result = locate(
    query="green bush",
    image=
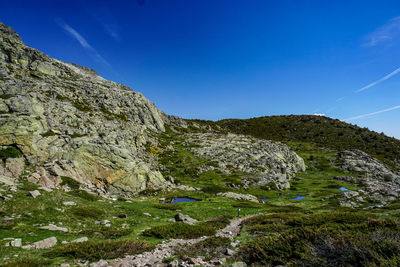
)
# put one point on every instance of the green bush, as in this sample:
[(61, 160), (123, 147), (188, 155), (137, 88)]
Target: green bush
[(96, 250), (179, 230), (48, 133), (209, 247), (28, 262), (10, 152), (83, 194), (165, 206), (325, 239), (105, 232), (87, 212), (73, 184)]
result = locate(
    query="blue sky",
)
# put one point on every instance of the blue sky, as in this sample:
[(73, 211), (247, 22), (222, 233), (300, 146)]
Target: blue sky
[(232, 58)]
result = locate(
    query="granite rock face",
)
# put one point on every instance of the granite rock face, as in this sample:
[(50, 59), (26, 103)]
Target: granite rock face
[(68, 121), (265, 162), (370, 167)]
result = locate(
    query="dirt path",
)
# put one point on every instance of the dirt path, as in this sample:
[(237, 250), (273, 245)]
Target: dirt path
[(167, 249)]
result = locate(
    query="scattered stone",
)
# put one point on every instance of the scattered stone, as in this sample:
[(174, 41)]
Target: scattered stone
[(69, 203), (34, 193), (45, 243), (229, 252), (179, 217), (101, 263), (147, 214), (80, 240), (15, 242), (238, 264), (238, 196), (53, 227)]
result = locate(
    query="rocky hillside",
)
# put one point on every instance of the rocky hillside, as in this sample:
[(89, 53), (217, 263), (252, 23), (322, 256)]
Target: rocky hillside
[(66, 120), (320, 130), (63, 120)]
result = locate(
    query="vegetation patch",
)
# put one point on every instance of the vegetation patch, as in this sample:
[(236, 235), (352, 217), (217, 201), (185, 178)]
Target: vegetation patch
[(96, 250), (48, 133), (179, 230), (209, 247), (87, 212), (73, 184), (83, 194), (28, 262), (10, 152), (326, 239), (165, 206)]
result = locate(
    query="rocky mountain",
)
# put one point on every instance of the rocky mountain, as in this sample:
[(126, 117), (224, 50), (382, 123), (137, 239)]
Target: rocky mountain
[(67, 121)]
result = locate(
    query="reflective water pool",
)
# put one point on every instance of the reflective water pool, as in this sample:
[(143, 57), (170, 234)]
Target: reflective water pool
[(298, 198), (182, 199)]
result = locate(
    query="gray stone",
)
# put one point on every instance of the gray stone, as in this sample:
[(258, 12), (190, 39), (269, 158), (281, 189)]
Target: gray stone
[(101, 263), (238, 264), (69, 203), (34, 193), (179, 217), (80, 240), (45, 243), (238, 196), (53, 227)]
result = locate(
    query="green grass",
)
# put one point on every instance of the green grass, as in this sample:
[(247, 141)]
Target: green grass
[(179, 230), (97, 250)]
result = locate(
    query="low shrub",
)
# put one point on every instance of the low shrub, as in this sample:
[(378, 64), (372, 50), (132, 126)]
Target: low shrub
[(209, 247), (96, 250), (165, 206), (179, 230), (28, 262), (10, 152), (106, 232), (247, 204), (87, 212), (83, 194), (73, 184)]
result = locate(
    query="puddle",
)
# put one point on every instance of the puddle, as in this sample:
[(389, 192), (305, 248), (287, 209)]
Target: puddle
[(298, 198), (265, 199), (182, 199), (344, 189)]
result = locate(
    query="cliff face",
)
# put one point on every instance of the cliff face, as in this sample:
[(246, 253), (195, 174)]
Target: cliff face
[(68, 121)]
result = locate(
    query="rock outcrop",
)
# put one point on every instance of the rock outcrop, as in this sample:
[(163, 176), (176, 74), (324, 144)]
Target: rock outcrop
[(263, 161), (68, 121), (379, 183)]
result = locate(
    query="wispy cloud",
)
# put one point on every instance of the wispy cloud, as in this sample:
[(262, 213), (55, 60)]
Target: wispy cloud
[(82, 41), (379, 81), (385, 34), (372, 113)]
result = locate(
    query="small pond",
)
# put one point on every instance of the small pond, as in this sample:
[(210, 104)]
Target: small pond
[(182, 199), (342, 188), (298, 198)]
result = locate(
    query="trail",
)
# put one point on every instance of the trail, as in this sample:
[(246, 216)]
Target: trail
[(167, 249)]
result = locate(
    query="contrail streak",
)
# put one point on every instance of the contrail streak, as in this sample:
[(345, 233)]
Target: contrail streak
[(373, 113), (379, 81)]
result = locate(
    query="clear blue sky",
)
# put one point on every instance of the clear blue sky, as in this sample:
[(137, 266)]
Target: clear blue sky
[(232, 58)]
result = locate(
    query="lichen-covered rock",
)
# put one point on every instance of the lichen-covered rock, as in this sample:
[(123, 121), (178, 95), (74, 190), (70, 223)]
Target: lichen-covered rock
[(359, 161), (68, 121), (266, 161), (238, 196)]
